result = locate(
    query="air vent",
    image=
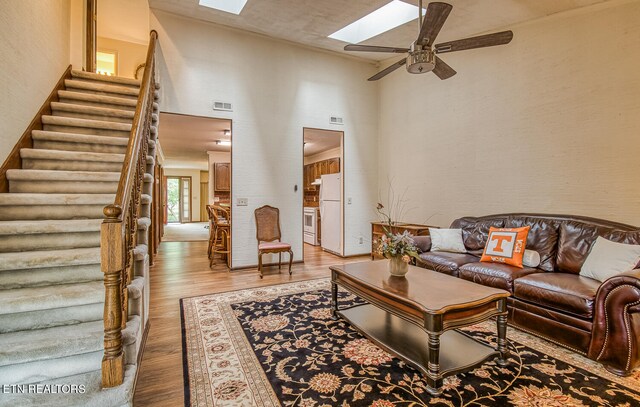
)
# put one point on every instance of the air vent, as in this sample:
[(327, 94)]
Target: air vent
[(222, 106), (336, 120)]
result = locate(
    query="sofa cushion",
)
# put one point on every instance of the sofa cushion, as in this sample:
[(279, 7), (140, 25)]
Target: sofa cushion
[(543, 238), (494, 274), (445, 262), (475, 231), (576, 239), (564, 292)]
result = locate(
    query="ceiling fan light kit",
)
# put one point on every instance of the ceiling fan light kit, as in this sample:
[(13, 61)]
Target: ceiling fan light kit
[(421, 56)]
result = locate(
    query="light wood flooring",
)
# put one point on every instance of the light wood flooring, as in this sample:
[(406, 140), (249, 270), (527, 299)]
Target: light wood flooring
[(181, 270)]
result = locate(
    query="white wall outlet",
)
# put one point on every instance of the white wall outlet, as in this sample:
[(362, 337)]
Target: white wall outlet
[(242, 201), (361, 240), (349, 201)]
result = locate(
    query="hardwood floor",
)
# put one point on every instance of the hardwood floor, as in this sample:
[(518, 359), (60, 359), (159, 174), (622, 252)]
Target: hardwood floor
[(181, 270)]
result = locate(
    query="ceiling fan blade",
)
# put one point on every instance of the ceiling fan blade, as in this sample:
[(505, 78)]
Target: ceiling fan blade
[(374, 48), (442, 70), (437, 14), (388, 70), (482, 41)]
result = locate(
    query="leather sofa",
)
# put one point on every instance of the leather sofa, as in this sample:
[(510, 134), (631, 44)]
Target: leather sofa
[(600, 320)]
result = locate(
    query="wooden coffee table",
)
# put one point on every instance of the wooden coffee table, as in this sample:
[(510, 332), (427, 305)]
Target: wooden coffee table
[(414, 316)]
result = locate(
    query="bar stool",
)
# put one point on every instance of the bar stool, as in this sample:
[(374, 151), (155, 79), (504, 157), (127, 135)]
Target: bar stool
[(222, 230)]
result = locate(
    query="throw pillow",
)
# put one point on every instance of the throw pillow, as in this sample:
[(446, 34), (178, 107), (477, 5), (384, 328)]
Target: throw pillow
[(607, 259), (506, 245), (531, 258), (447, 240)]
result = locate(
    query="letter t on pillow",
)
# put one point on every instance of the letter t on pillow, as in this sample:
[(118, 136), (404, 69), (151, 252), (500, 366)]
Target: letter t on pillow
[(506, 245)]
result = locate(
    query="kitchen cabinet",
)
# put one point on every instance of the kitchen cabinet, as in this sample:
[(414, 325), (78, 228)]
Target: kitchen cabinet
[(333, 165), (222, 174)]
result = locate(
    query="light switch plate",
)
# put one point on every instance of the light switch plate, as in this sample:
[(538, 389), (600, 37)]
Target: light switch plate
[(242, 201), (349, 201)]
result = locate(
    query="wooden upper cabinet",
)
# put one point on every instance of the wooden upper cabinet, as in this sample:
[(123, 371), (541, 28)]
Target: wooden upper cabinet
[(222, 176), (333, 165)]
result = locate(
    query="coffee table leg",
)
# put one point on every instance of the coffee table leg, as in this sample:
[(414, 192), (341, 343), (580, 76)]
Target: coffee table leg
[(502, 337), (434, 381), (334, 300)]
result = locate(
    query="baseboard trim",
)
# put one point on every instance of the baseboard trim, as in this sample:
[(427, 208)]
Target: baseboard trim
[(285, 264), (13, 160), (143, 345)]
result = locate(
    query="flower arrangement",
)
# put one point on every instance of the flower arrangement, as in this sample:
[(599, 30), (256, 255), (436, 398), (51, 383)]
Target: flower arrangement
[(395, 245)]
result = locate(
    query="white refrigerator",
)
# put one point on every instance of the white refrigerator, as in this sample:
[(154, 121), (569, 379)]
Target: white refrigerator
[(330, 205)]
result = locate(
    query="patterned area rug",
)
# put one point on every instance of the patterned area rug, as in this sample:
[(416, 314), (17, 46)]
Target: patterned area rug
[(278, 345)]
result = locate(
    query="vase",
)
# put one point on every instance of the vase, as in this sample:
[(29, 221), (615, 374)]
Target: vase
[(397, 267)]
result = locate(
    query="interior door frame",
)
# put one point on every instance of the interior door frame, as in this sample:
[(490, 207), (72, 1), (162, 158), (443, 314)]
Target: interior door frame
[(342, 179), (230, 262)]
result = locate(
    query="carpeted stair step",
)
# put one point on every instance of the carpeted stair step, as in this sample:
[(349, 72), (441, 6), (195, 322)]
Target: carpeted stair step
[(94, 395), (53, 140), (101, 88), (91, 112), (71, 182), (114, 80), (20, 235), (38, 159), (89, 99), (22, 261), (45, 206), (43, 307), (50, 343), (47, 276), (86, 126)]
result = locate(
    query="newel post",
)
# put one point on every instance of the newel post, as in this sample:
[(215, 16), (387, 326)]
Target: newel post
[(112, 264)]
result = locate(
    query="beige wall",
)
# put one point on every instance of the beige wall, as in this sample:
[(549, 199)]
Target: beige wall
[(325, 155), (124, 20), (549, 123), (195, 188), (276, 89), (35, 53), (130, 55)]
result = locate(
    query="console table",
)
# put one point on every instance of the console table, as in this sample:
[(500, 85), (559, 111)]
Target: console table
[(377, 230)]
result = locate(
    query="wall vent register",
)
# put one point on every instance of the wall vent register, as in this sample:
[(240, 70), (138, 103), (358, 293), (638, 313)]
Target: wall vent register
[(222, 106), (336, 120)]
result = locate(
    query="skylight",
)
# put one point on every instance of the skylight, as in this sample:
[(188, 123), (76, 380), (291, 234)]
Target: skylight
[(385, 18), (230, 6)]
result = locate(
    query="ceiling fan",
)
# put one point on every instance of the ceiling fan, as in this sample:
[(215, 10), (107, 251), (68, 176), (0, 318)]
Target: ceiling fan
[(422, 53)]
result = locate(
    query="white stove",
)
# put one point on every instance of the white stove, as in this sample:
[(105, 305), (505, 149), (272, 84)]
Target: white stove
[(311, 226)]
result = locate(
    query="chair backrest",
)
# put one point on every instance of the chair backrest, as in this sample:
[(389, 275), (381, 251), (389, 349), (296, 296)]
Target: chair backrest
[(220, 215), (267, 223)]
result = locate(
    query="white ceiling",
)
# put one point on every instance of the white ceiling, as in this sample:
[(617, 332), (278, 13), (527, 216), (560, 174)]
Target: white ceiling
[(318, 141), (186, 139), (309, 22)]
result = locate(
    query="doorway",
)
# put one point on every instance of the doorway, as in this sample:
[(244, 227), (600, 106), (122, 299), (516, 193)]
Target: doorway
[(323, 191), (178, 207)]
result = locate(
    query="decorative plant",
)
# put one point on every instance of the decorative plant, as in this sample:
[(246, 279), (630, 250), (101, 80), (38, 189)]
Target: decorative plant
[(395, 245)]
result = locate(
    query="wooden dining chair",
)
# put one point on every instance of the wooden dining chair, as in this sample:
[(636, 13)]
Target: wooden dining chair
[(269, 235)]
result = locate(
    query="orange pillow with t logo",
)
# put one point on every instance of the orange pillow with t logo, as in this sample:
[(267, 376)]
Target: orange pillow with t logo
[(506, 245)]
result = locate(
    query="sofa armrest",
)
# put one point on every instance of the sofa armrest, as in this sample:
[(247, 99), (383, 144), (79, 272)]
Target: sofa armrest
[(423, 243), (615, 339)]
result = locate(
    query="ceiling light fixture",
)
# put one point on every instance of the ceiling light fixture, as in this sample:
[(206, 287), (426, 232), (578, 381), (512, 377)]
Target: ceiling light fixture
[(385, 18), (229, 6), (223, 142)]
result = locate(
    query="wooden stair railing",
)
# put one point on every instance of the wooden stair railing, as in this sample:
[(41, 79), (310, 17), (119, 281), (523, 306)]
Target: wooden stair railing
[(118, 233)]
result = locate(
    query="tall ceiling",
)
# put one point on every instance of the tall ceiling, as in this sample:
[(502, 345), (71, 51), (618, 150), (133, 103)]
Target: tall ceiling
[(309, 22), (186, 139)]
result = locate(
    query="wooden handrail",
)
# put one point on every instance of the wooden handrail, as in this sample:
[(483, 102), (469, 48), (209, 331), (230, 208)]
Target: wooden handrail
[(118, 233)]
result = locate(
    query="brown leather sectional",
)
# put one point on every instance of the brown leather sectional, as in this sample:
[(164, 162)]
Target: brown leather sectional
[(599, 320)]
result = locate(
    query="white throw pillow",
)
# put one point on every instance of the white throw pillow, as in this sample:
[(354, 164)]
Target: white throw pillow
[(607, 259), (447, 240), (531, 258)]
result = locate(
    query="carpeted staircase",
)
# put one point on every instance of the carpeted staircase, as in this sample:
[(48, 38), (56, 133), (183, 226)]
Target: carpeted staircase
[(51, 284)]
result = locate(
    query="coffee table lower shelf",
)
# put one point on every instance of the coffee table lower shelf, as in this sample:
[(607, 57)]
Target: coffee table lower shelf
[(458, 352)]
